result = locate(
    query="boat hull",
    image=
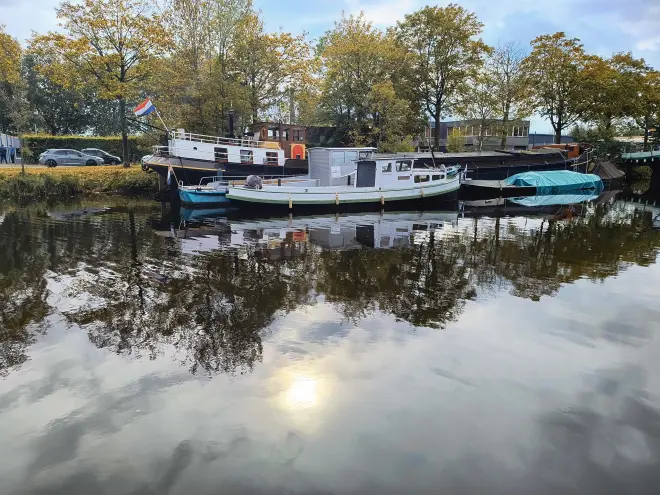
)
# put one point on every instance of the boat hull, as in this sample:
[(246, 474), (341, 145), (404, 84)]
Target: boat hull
[(342, 198), (192, 197)]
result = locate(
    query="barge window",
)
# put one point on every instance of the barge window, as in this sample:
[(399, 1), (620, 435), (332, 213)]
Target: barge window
[(404, 166), (350, 156), (365, 155), (221, 154), (246, 156), (386, 168), (421, 178), (271, 158)]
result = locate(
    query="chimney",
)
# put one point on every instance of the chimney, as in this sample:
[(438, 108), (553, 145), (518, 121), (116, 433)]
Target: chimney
[(231, 123)]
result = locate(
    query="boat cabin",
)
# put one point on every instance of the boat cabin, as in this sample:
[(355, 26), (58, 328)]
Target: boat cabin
[(396, 172), (246, 150)]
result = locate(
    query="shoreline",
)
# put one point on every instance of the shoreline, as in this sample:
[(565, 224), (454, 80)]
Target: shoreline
[(39, 184)]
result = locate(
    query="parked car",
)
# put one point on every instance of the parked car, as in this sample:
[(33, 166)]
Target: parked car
[(53, 158), (107, 157)]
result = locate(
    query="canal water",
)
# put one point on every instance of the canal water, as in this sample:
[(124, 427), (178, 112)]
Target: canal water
[(144, 351)]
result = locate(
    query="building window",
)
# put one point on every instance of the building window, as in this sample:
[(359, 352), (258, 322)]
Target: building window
[(386, 168), (271, 158), (525, 132), (246, 156), (404, 166)]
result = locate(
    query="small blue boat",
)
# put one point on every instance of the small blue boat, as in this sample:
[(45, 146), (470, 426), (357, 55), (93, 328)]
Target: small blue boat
[(211, 193)]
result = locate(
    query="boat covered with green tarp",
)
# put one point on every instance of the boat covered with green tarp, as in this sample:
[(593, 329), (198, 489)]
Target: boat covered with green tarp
[(555, 181)]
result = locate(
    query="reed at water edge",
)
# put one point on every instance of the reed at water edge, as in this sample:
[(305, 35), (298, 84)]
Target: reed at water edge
[(62, 183)]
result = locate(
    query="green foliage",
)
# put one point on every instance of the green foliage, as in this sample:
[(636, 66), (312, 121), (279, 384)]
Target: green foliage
[(455, 143), (38, 143), (555, 69), (444, 52)]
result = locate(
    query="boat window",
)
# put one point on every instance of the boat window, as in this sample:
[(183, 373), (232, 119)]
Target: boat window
[(421, 178), (404, 166), (365, 155), (350, 156), (221, 154), (436, 177), (271, 158), (386, 168), (338, 157), (246, 156)]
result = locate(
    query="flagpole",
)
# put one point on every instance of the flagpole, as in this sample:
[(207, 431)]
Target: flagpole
[(158, 113), (161, 119)]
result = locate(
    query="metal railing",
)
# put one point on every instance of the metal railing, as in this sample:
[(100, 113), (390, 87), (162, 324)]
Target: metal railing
[(214, 181), (247, 142)]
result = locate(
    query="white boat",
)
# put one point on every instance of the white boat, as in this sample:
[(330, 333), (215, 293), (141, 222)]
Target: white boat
[(193, 156), (375, 181)]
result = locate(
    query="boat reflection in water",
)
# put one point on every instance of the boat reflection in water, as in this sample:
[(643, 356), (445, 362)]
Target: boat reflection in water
[(210, 230)]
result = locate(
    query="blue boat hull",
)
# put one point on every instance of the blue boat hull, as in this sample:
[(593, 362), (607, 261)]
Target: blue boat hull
[(201, 197)]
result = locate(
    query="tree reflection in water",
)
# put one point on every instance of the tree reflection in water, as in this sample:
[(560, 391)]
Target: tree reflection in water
[(143, 295)]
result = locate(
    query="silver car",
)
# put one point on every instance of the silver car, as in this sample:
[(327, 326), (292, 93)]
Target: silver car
[(53, 158)]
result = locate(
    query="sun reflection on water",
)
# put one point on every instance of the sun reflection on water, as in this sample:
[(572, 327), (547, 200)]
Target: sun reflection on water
[(302, 393)]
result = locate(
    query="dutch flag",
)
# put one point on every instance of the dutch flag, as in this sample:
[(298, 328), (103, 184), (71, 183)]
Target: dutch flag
[(144, 108)]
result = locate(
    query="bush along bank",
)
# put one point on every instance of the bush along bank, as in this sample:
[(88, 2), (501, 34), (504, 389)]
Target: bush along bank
[(59, 184)]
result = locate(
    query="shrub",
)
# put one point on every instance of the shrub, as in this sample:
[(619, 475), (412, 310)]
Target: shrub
[(57, 184)]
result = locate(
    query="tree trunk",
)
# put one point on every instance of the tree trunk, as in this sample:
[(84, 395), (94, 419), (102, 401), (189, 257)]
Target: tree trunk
[(436, 133), (505, 123), (646, 131), (124, 132), (558, 129)]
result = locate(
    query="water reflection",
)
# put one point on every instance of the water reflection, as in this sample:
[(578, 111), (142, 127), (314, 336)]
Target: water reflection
[(145, 353), (207, 291)]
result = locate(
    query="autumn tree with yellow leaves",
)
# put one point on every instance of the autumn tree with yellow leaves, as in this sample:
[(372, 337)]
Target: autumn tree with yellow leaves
[(111, 45)]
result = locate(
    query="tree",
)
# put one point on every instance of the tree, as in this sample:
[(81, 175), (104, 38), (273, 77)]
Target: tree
[(480, 104), (388, 122), (57, 109), (198, 86), (455, 142), (649, 104), (109, 45), (10, 58), (511, 86), (614, 87), (11, 108), (444, 55), (361, 90), (266, 63), (555, 69)]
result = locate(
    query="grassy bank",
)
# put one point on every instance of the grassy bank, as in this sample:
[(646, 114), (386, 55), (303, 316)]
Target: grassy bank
[(63, 183)]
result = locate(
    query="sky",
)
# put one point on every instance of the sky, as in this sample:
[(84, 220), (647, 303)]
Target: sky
[(603, 26)]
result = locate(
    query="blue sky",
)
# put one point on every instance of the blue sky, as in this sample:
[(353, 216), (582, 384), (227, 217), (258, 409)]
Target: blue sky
[(604, 26)]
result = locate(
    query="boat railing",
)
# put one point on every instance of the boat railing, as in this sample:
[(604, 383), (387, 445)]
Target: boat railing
[(247, 142)]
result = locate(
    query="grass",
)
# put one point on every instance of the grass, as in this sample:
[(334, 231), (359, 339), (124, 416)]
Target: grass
[(62, 183)]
